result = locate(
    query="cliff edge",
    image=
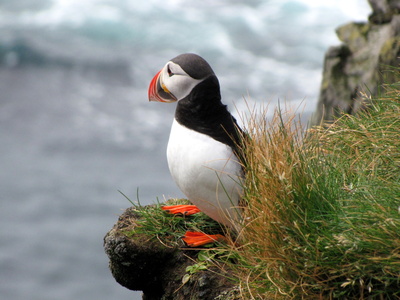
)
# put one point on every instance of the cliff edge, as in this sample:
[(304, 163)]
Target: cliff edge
[(145, 263)]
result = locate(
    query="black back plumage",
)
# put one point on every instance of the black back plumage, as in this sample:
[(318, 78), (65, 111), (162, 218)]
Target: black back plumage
[(203, 111)]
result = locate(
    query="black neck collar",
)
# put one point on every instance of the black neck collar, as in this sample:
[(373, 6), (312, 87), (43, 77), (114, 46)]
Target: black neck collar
[(203, 111)]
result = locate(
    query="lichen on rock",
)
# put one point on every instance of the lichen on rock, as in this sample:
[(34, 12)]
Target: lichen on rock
[(358, 64)]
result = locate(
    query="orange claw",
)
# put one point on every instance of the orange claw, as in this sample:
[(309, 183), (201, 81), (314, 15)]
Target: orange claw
[(196, 239), (185, 210)]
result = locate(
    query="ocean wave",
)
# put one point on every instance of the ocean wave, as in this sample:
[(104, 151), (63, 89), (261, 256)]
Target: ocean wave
[(260, 50), (269, 28)]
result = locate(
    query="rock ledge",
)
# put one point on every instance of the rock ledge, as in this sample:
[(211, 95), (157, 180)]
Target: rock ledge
[(140, 262)]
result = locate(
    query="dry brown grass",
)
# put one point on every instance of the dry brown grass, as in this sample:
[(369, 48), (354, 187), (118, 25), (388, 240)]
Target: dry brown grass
[(321, 208), (273, 152)]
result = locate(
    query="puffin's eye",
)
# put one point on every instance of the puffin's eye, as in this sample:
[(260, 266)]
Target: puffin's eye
[(169, 72)]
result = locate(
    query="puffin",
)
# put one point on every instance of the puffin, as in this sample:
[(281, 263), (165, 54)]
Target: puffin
[(205, 144)]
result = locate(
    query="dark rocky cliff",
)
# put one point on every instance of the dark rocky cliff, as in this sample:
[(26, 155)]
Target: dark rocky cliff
[(358, 64), (144, 263)]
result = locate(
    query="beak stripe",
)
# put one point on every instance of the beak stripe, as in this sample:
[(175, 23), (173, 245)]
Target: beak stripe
[(158, 91)]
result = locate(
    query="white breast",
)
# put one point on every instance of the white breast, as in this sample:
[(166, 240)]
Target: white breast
[(207, 172)]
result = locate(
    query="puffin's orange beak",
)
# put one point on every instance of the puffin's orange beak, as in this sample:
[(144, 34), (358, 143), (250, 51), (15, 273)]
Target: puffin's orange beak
[(158, 91)]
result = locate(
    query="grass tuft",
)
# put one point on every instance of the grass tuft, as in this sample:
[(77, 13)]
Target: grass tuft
[(152, 221), (323, 209)]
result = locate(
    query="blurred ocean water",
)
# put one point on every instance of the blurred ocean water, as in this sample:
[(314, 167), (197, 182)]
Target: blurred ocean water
[(76, 126)]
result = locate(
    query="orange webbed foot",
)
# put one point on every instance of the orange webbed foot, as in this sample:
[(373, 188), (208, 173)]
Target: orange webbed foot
[(185, 210), (196, 239)]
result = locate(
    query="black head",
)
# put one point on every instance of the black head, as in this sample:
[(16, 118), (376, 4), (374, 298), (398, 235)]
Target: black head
[(179, 77), (194, 65)]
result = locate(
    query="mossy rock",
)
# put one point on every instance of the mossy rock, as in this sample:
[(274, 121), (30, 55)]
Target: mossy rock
[(142, 262)]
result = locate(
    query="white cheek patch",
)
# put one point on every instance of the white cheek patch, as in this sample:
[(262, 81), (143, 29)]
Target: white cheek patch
[(180, 84)]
